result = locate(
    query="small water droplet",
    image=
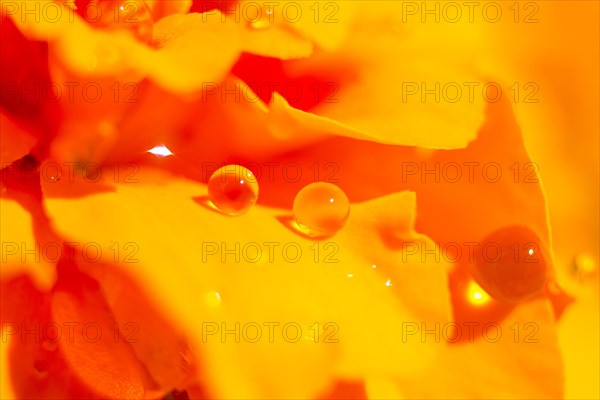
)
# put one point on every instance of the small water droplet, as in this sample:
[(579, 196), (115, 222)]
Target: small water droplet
[(388, 283), (213, 299), (584, 266), (50, 345), (51, 171), (321, 209), (510, 264), (233, 189), (263, 19), (40, 368)]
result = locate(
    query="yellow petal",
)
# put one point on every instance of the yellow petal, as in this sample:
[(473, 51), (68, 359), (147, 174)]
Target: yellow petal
[(176, 237), (518, 358), (326, 23), (6, 390), (192, 51)]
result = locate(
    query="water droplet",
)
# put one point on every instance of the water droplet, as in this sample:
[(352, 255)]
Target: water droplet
[(213, 299), (510, 264), (233, 189), (321, 209), (263, 19), (129, 15), (584, 266), (40, 369), (51, 171), (50, 345), (388, 282)]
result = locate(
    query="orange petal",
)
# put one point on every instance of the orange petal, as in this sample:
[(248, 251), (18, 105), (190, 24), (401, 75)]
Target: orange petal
[(35, 366), (163, 350), (97, 354), (179, 64), (161, 9), (21, 252), (16, 142)]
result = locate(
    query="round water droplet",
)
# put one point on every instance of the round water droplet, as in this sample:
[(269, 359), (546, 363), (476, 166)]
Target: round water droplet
[(584, 266), (129, 15), (40, 369), (51, 172), (321, 209), (213, 299), (233, 189), (511, 264), (50, 345), (263, 19)]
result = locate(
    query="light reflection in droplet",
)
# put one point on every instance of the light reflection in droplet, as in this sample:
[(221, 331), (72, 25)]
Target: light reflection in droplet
[(584, 266), (160, 151), (213, 299), (476, 295)]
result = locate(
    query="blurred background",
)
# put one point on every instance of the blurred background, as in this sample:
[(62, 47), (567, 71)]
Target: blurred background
[(561, 54)]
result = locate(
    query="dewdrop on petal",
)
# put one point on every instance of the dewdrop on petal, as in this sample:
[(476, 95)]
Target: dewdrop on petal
[(511, 264), (321, 209), (233, 189)]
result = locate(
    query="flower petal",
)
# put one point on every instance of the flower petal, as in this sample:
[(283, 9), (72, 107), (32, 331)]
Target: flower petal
[(263, 291), (519, 359), (186, 40), (276, 42), (180, 64), (21, 252), (326, 23), (161, 9), (97, 356), (16, 142)]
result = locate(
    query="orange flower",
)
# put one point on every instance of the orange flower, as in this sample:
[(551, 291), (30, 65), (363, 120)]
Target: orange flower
[(139, 288)]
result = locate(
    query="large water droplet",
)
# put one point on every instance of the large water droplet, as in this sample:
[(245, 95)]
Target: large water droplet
[(511, 264), (321, 209), (233, 189)]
